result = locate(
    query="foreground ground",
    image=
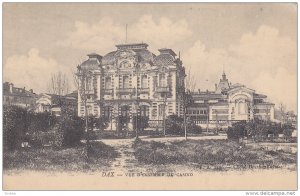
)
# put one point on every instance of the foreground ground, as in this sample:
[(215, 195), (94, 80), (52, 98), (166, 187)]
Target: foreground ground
[(201, 163), (213, 153), (67, 159)]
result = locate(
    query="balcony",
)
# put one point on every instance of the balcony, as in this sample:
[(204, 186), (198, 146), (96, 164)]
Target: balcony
[(125, 90), (162, 89), (107, 91), (143, 90), (89, 91)]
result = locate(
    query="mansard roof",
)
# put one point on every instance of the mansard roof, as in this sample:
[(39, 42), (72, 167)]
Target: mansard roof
[(92, 63), (109, 58), (143, 54), (164, 59)]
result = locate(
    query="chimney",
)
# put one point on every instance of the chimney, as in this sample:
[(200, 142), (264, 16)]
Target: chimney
[(167, 51), (216, 86), (31, 90), (199, 90), (95, 56)]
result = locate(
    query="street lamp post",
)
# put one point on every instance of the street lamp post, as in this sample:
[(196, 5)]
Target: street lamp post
[(84, 75), (164, 114)]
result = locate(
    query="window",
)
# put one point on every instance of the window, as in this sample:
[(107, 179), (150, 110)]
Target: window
[(144, 81), (162, 80), (125, 111), (242, 108), (126, 82), (144, 110), (108, 83), (89, 84), (161, 109), (107, 111)]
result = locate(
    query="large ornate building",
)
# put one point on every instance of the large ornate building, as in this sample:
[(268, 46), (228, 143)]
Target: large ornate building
[(229, 103), (132, 80)]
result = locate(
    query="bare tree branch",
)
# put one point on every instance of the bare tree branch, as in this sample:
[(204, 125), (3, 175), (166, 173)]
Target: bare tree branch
[(59, 84)]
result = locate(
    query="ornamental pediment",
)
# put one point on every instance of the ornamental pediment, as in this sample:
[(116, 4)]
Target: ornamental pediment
[(240, 90)]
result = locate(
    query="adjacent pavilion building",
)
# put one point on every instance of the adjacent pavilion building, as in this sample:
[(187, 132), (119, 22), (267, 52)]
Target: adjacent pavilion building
[(229, 103)]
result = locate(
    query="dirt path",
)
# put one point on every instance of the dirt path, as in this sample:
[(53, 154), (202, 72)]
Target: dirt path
[(126, 161)]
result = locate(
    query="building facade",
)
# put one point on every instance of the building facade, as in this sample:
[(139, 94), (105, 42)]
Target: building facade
[(229, 103), (131, 81), (18, 96)]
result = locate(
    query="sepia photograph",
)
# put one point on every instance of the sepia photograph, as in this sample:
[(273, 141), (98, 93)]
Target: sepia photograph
[(149, 96)]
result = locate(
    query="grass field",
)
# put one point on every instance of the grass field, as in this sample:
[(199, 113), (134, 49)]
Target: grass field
[(69, 159), (211, 154)]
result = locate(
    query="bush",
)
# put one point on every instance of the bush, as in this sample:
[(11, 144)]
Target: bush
[(122, 123), (175, 126), (256, 129), (141, 122), (21, 125), (15, 125), (237, 131), (69, 129)]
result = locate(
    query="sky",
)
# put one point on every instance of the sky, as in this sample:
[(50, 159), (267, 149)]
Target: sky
[(254, 43)]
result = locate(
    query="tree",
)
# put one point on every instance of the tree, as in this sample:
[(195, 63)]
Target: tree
[(190, 82), (59, 84), (187, 101), (83, 79), (282, 112)]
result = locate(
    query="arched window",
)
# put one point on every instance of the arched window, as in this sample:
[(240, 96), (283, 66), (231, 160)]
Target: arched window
[(108, 83), (144, 110), (144, 81)]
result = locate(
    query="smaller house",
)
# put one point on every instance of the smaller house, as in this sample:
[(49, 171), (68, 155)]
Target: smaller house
[(18, 96), (53, 103)]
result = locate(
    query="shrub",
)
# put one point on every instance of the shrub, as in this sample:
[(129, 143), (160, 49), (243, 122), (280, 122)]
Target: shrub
[(237, 131), (141, 122), (257, 129), (15, 126), (122, 123), (175, 126), (69, 129)]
